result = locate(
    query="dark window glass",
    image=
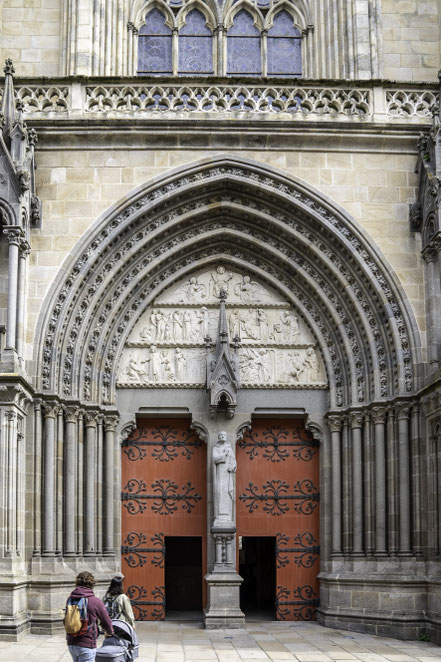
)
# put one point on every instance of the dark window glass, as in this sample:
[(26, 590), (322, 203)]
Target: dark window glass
[(243, 46), (284, 47), (195, 45), (155, 45)]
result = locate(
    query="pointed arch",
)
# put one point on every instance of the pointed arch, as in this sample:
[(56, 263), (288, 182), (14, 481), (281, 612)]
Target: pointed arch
[(284, 233)]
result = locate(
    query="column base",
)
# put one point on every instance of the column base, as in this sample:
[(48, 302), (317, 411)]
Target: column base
[(223, 610)]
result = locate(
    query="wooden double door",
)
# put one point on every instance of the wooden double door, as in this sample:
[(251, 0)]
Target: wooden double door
[(164, 519)]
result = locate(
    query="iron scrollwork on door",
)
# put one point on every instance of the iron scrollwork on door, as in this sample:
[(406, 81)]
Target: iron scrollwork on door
[(135, 550), (304, 603), (165, 442), (275, 497), (277, 442), (305, 552), (138, 597), (165, 497)]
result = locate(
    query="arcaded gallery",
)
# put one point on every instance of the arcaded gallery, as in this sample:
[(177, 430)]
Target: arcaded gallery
[(220, 310)]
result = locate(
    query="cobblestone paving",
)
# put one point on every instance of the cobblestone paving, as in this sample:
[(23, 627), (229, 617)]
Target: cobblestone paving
[(171, 641)]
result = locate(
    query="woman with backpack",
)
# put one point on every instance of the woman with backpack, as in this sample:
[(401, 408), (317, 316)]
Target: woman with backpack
[(117, 603)]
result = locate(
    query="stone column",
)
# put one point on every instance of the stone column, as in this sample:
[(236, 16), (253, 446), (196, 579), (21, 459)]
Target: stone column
[(404, 479), (99, 461), (10, 440), (59, 480), (335, 426), (416, 481), (346, 492), (264, 42), (392, 483), (89, 486), (175, 51), (432, 291), (368, 465), (357, 484), (109, 482), (379, 420), (221, 51), (80, 483), (50, 414), (21, 299), (70, 482), (15, 236), (38, 429)]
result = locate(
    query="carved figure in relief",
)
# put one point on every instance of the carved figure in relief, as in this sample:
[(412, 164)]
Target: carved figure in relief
[(234, 324), (311, 364), (247, 289), (134, 370), (167, 367), (177, 325), (194, 290), (158, 320), (248, 326), (263, 363), (146, 334), (296, 366), (220, 281), (203, 322), (155, 364), (167, 331), (262, 325), (224, 469), (290, 328), (186, 323), (179, 365)]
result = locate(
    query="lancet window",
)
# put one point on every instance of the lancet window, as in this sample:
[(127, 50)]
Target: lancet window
[(247, 41)]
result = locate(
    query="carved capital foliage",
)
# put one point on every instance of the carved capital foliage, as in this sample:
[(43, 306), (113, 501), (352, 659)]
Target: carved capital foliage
[(335, 423), (50, 408), (127, 430), (356, 419), (16, 394), (403, 410), (315, 429), (14, 234), (246, 427), (91, 419), (378, 415), (200, 430), (71, 414), (111, 423)]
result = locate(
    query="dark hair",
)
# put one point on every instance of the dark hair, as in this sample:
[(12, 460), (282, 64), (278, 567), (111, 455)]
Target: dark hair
[(115, 588), (85, 579)]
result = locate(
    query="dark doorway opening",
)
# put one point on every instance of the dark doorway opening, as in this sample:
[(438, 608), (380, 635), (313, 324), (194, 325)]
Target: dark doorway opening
[(257, 567), (183, 574)]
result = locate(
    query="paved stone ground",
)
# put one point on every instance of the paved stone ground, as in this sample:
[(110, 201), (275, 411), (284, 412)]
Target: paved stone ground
[(171, 641)]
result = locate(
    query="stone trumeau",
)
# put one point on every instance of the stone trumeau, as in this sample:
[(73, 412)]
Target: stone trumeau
[(221, 325)]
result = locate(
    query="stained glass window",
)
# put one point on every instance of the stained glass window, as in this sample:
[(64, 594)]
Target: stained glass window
[(155, 45), (195, 45), (243, 46), (284, 47)]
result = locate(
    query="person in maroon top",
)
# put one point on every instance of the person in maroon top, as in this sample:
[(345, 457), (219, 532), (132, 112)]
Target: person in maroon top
[(83, 648)]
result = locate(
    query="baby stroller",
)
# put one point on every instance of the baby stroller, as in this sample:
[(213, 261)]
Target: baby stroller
[(122, 646)]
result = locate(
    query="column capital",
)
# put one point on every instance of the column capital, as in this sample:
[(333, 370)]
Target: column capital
[(25, 248), (335, 422), (402, 410), (50, 409), (14, 234), (90, 419), (110, 423), (71, 414), (429, 253), (356, 419), (379, 415)]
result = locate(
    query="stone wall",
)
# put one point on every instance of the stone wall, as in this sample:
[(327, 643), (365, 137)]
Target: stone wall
[(31, 35), (411, 39)]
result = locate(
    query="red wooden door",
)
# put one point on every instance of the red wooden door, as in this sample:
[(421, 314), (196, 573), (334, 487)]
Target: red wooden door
[(163, 494), (277, 495)]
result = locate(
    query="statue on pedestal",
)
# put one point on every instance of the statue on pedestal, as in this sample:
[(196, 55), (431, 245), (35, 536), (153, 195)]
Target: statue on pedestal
[(223, 475)]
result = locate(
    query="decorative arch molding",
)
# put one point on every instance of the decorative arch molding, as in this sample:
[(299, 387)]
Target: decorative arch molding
[(256, 218)]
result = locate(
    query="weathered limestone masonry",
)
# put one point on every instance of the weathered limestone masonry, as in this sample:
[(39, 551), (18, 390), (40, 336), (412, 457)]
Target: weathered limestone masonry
[(303, 186)]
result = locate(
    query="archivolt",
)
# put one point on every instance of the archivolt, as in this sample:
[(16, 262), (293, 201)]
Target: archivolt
[(259, 220)]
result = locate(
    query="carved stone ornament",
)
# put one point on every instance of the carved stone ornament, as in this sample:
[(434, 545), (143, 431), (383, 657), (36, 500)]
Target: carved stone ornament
[(165, 348), (224, 471), (339, 272)]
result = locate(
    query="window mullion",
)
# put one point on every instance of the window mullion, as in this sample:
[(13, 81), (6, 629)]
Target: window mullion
[(264, 52), (175, 51)]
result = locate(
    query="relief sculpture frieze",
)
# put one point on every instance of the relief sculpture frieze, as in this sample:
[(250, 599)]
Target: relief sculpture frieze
[(167, 347)]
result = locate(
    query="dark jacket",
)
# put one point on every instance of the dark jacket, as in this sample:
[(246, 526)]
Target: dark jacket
[(96, 612)]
